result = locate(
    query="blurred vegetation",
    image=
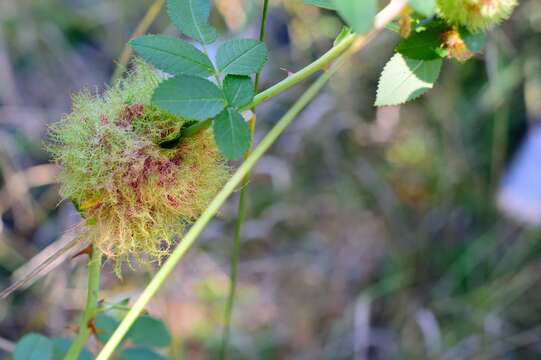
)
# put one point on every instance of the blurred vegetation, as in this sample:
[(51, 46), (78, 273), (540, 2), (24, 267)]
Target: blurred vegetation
[(371, 233)]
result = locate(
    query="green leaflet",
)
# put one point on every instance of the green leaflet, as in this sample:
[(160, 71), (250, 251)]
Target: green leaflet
[(424, 7), (191, 18), (61, 347), (173, 55), (423, 45), (139, 353), (232, 134), (359, 15), (33, 347), (241, 57), (326, 4), (149, 331), (189, 97), (405, 79), (106, 325), (238, 90), (345, 31), (474, 41)]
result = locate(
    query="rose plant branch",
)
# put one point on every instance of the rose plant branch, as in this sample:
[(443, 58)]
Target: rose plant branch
[(140, 162), (86, 323), (192, 235), (381, 20), (387, 15), (241, 212)]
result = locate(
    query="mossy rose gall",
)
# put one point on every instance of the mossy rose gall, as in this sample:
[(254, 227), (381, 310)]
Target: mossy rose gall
[(135, 196), (476, 15)]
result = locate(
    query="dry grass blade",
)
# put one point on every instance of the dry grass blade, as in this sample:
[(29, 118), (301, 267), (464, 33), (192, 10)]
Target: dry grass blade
[(44, 267)]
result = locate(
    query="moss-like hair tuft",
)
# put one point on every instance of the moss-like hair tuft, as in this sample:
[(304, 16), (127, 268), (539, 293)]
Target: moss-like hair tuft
[(476, 15), (135, 196)]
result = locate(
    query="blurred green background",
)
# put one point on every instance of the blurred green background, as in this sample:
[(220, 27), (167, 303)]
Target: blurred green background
[(372, 233)]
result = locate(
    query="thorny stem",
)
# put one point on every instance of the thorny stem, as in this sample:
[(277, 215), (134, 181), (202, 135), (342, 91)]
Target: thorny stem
[(262, 30), (241, 213), (384, 17), (207, 215), (292, 80), (91, 308), (235, 254), (94, 265)]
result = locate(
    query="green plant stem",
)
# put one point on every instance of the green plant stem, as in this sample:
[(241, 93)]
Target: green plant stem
[(262, 31), (292, 80), (235, 254), (91, 308), (207, 215), (196, 128), (318, 65), (241, 213), (94, 264), (384, 17)]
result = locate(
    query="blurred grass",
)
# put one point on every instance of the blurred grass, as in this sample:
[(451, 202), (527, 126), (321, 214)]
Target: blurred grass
[(371, 233)]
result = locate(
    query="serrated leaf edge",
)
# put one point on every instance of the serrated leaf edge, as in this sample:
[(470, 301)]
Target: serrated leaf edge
[(408, 100), (153, 36), (256, 42), (201, 39)]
